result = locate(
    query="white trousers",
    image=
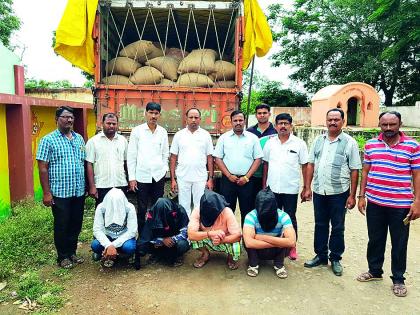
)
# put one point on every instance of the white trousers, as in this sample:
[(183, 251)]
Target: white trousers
[(186, 189)]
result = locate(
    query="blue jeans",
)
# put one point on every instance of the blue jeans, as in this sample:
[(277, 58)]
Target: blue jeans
[(329, 209), (128, 247)]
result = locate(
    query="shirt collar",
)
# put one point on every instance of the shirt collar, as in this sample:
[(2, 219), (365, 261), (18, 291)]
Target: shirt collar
[(63, 135), (339, 137), (232, 133), (103, 135), (403, 137)]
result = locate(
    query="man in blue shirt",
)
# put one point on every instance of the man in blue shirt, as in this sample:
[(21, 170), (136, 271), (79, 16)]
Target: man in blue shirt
[(268, 232), (61, 156), (238, 155)]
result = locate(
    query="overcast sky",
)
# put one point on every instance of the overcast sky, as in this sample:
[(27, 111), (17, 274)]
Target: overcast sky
[(41, 17)]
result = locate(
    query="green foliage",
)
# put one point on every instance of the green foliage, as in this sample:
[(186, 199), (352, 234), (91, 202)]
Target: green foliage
[(26, 238), (255, 100), (86, 234), (340, 41), (43, 84), (273, 95), (8, 22)]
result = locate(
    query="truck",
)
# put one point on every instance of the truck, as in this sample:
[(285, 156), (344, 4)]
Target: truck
[(184, 26)]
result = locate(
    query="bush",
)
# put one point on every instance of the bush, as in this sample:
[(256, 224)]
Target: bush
[(26, 238)]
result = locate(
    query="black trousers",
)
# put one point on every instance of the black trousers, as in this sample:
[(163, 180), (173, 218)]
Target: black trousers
[(257, 186), (379, 220), (288, 203), (68, 219), (169, 254), (103, 191), (232, 192), (147, 195), (329, 209), (276, 254)]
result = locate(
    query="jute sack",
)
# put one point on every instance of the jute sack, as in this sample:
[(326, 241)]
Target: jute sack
[(155, 52), (198, 61), (137, 49), (223, 70), (122, 65), (167, 82), (146, 75), (224, 84), (176, 53), (116, 79), (167, 65), (194, 80)]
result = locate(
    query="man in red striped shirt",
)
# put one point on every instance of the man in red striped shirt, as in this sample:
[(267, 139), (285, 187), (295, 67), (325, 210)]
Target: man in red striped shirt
[(391, 164)]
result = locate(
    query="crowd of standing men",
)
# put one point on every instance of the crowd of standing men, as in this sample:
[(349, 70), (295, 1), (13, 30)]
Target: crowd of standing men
[(261, 167)]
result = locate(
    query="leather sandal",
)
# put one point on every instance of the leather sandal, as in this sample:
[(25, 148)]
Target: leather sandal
[(252, 271), (367, 276), (399, 289)]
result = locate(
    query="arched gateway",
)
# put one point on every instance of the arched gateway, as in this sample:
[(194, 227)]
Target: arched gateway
[(359, 101)]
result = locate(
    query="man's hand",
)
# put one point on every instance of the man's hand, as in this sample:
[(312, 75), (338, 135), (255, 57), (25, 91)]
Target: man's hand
[(132, 185), (233, 178), (414, 212), (168, 242), (47, 199), (110, 252), (306, 194), (361, 205), (351, 202), (210, 184), (174, 186), (216, 234), (93, 192), (216, 240), (241, 181)]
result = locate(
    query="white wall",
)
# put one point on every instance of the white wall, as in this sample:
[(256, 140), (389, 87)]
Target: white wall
[(410, 115)]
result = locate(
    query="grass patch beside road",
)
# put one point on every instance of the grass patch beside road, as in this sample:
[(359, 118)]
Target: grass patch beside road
[(26, 247)]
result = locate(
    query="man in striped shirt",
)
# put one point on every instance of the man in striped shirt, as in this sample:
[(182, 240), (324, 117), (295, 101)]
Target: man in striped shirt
[(334, 164), (391, 164)]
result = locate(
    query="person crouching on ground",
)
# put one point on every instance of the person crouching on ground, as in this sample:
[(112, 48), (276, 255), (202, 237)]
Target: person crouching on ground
[(213, 227), (164, 235), (114, 228), (268, 234)]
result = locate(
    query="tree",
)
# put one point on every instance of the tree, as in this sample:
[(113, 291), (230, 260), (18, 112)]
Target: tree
[(340, 41), (272, 94), (43, 84), (8, 21)]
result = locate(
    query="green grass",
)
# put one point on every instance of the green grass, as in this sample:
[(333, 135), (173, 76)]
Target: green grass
[(27, 247)]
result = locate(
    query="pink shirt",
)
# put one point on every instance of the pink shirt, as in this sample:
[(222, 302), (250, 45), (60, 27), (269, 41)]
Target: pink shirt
[(226, 222)]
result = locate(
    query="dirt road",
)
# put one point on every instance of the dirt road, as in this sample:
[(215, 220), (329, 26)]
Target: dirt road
[(158, 289)]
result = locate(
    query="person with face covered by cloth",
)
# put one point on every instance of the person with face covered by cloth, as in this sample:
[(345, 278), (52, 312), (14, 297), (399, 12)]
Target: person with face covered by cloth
[(114, 228), (213, 227), (268, 233), (164, 234)]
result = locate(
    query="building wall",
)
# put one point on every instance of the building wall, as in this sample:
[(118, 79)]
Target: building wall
[(7, 78), (4, 167), (71, 94), (410, 115)]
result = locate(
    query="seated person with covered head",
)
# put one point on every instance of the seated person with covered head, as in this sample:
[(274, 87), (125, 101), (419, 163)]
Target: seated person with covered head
[(213, 227), (114, 228), (164, 235), (268, 233)]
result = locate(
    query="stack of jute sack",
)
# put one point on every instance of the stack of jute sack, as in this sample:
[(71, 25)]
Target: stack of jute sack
[(145, 62)]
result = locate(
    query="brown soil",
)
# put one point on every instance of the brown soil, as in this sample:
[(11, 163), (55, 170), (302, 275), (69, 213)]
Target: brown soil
[(159, 289)]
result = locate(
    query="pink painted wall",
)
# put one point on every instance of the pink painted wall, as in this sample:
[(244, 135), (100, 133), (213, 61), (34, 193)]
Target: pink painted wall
[(332, 96)]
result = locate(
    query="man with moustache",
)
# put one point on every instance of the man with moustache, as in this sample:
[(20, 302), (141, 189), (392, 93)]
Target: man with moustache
[(391, 169), (192, 148), (284, 155), (334, 164), (106, 155), (238, 155), (147, 161), (61, 156)]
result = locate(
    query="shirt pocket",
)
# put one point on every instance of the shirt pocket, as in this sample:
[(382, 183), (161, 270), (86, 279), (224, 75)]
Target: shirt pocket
[(339, 160), (292, 157)]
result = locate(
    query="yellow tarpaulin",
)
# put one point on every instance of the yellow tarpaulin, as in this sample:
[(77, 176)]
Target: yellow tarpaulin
[(74, 34), (258, 38)]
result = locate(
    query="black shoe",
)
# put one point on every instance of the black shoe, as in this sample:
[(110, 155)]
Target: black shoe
[(316, 261), (137, 264), (96, 257), (336, 267)]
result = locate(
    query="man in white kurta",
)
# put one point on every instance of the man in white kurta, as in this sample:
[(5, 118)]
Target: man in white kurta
[(191, 158)]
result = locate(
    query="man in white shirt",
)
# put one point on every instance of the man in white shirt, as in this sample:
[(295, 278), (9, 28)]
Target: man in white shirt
[(147, 161), (106, 156), (284, 155), (192, 148), (238, 155)]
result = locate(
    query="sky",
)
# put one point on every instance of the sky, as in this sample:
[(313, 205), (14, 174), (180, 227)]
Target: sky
[(34, 39)]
